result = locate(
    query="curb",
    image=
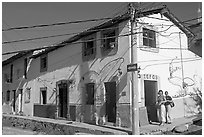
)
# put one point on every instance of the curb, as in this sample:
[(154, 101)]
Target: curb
[(56, 127)]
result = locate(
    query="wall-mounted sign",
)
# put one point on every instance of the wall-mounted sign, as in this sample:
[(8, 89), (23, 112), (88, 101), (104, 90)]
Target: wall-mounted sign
[(150, 77), (131, 67)]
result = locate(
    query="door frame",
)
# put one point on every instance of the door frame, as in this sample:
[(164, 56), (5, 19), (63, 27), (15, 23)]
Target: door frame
[(58, 83), (148, 77), (114, 104)]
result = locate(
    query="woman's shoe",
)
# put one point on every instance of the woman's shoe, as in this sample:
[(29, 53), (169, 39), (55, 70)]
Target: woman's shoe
[(161, 124)]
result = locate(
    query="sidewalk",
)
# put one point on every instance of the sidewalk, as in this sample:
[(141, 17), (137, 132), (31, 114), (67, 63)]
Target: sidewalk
[(55, 126), (154, 129)]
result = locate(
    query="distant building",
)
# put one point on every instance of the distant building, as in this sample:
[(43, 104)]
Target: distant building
[(86, 76)]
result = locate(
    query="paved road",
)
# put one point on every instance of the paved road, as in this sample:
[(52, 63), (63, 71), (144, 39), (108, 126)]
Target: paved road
[(17, 131)]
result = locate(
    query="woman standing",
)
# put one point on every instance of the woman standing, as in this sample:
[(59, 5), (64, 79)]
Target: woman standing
[(168, 107), (161, 108)]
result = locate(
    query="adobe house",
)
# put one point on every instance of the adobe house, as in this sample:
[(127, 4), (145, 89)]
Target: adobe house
[(85, 78)]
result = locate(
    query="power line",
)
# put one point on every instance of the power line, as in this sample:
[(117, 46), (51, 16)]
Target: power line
[(61, 45), (84, 41), (45, 37), (54, 24), (37, 38), (51, 36), (178, 22), (168, 63)]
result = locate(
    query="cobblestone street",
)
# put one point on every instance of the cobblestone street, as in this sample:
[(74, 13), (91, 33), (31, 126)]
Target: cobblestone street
[(18, 131)]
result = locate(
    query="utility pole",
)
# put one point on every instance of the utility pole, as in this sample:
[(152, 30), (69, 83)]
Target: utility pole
[(135, 106), (183, 84)]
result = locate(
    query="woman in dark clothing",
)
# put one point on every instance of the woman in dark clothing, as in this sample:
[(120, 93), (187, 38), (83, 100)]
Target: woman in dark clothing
[(168, 107)]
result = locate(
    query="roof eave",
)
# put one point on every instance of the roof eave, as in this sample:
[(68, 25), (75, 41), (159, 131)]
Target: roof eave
[(178, 23)]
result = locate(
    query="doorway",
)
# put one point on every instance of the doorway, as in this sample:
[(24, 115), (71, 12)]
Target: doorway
[(63, 101), (111, 101), (150, 90), (14, 100)]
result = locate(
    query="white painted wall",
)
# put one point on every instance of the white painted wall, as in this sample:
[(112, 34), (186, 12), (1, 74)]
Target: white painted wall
[(151, 63)]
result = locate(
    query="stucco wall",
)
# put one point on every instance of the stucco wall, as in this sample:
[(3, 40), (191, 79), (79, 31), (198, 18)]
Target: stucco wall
[(168, 43), (18, 64), (185, 106), (66, 64)]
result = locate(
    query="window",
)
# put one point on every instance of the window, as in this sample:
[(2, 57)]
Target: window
[(18, 73), (8, 95), (43, 63), (43, 95), (89, 48), (149, 38), (25, 67), (6, 77), (109, 42), (90, 93), (11, 74)]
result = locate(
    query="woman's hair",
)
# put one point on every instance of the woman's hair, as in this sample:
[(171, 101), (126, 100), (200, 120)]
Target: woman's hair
[(166, 92), (160, 91)]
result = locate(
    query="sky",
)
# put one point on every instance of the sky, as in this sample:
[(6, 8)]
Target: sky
[(15, 14)]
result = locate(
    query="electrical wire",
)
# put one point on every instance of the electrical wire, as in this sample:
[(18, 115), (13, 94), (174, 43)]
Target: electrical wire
[(54, 24), (45, 37), (178, 22), (168, 63), (52, 36), (61, 35), (61, 45)]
